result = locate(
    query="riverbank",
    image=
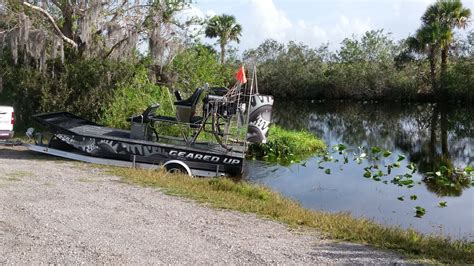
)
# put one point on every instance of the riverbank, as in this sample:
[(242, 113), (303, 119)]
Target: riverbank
[(55, 211), (249, 198)]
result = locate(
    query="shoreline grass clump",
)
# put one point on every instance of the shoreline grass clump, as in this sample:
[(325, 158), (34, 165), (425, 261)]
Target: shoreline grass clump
[(286, 146), (242, 196)]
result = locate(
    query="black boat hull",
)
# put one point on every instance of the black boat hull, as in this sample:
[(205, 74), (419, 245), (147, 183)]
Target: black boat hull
[(151, 153), (75, 134)]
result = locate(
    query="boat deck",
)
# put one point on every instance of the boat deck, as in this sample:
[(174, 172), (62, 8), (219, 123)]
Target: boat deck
[(100, 131)]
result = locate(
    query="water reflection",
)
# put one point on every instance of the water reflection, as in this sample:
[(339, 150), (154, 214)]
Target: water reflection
[(431, 135)]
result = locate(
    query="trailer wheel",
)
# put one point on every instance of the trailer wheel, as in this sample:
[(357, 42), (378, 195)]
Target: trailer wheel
[(177, 167)]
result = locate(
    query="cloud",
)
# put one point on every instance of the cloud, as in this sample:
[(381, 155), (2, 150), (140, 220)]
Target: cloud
[(308, 33), (263, 19), (396, 10), (347, 27), (268, 20), (210, 13)]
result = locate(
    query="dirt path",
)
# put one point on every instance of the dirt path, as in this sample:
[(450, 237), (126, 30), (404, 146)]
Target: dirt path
[(54, 211)]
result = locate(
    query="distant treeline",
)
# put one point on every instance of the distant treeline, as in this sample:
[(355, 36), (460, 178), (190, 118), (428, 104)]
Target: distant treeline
[(371, 67), (433, 64)]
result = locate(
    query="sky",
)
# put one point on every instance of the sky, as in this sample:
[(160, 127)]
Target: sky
[(315, 22)]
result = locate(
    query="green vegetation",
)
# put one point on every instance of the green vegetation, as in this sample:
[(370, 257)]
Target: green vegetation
[(198, 65), (83, 87), (133, 97), (285, 146), (242, 196), (449, 181), (363, 68)]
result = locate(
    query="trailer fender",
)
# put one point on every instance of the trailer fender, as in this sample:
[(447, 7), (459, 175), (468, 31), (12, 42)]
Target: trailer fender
[(179, 165)]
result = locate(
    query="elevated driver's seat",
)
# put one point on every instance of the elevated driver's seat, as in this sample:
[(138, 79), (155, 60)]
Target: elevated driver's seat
[(185, 109)]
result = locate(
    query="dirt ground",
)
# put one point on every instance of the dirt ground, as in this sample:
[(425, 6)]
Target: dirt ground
[(61, 212)]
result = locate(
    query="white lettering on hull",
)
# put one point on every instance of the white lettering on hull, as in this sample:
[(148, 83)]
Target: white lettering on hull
[(202, 157)]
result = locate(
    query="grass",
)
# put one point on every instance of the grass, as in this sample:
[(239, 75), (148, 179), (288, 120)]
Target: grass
[(17, 175), (227, 194), (15, 179), (286, 146), (86, 180)]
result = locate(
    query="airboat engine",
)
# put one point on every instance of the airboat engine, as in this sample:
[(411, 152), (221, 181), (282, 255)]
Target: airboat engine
[(260, 115)]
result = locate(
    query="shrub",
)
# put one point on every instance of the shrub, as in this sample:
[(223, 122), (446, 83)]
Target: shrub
[(83, 87), (134, 97)]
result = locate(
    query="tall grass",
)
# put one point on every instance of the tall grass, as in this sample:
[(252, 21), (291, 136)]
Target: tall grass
[(245, 197), (286, 146)]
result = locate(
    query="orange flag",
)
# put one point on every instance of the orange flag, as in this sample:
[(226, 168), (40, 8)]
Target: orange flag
[(240, 76)]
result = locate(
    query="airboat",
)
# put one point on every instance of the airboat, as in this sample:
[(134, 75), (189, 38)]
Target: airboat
[(211, 144)]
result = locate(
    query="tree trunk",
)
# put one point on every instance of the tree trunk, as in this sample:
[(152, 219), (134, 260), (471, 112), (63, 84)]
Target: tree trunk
[(155, 45), (434, 119), (432, 146), (444, 66), (444, 133), (68, 21), (445, 156), (432, 58), (222, 53)]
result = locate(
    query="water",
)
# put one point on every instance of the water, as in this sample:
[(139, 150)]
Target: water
[(425, 133)]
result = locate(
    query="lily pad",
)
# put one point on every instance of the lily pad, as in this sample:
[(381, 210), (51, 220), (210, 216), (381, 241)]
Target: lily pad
[(419, 212), (376, 149), (443, 204)]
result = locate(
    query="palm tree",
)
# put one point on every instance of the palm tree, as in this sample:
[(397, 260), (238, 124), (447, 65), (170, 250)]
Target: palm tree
[(226, 29), (426, 41), (448, 14)]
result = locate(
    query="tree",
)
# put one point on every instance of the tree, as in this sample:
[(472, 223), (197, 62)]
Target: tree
[(364, 66), (98, 43), (268, 50), (166, 34), (455, 16), (443, 17), (426, 41), (92, 28), (226, 29), (88, 28)]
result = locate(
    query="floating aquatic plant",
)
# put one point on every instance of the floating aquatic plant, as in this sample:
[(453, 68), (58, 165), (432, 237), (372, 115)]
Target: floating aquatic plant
[(448, 181), (419, 212), (443, 180)]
